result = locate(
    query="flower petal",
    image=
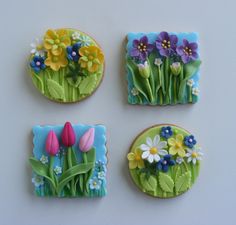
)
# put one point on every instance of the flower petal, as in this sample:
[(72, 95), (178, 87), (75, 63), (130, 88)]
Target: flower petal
[(156, 140), (181, 152), (189, 159), (149, 142), (145, 154), (131, 156), (140, 164), (133, 164), (162, 152), (156, 157), (150, 158), (162, 144), (194, 160), (172, 150), (144, 147), (179, 137), (171, 141)]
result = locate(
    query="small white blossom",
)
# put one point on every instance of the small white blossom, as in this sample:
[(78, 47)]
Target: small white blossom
[(179, 160), (37, 181), (195, 91), (190, 82), (101, 175), (134, 91), (75, 36), (58, 170), (44, 159), (158, 61), (37, 47), (194, 154)]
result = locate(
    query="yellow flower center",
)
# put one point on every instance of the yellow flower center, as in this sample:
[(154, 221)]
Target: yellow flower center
[(194, 155), (165, 44), (178, 145), (90, 57), (187, 51), (94, 183), (153, 151), (57, 41), (142, 47), (55, 58), (137, 157)]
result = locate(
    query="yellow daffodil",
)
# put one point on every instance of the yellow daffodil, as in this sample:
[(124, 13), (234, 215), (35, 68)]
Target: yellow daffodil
[(177, 145), (56, 41), (135, 159), (56, 62), (91, 58)]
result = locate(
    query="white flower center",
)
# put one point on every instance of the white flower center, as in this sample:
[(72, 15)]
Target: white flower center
[(38, 63), (73, 53)]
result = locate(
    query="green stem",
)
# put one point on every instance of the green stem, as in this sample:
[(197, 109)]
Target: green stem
[(85, 160), (170, 87), (149, 90), (41, 83), (161, 96), (167, 66), (70, 165), (51, 174), (185, 165), (139, 99), (181, 77), (175, 90), (161, 79), (190, 94)]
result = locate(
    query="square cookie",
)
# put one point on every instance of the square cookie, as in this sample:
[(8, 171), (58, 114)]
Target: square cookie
[(162, 68), (69, 160)]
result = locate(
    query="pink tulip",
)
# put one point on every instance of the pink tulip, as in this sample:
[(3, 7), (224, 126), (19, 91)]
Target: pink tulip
[(68, 135), (86, 141), (52, 144)]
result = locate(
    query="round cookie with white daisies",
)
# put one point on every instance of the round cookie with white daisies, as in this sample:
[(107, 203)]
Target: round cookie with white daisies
[(164, 160)]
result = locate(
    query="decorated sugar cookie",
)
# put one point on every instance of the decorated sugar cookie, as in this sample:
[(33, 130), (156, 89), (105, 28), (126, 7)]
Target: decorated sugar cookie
[(69, 161), (164, 161), (162, 68), (66, 65)]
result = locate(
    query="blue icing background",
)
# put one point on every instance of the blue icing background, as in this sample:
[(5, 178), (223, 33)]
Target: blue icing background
[(41, 132), (152, 37)]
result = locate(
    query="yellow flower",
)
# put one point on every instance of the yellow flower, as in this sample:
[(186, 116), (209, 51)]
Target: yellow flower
[(135, 159), (56, 62), (91, 58), (177, 145), (56, 41)]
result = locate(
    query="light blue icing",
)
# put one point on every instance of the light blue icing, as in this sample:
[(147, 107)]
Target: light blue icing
[(41, 132), (152, 37)]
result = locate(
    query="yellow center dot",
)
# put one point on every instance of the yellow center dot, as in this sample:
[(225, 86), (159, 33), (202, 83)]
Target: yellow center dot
[(194, 155), (94, 183), (137, 157), (153, 151), (164, 41), (90, 57), (54, 58), (141, 44), (57, 41), (178, 145)]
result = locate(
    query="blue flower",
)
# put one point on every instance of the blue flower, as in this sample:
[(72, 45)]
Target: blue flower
[(190, 141), (38, 180), (100, 166), (95, 183), (37, 63), (73, 52), (166, 132), (165, 162), (101, 175)]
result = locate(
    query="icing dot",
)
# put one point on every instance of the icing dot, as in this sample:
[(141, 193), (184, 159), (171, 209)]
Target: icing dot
[(164, 162), (190, 140), (167, 131), (73, 53), (38, 63)]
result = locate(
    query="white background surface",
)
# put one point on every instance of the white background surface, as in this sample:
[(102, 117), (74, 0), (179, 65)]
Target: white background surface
[(210, 201)]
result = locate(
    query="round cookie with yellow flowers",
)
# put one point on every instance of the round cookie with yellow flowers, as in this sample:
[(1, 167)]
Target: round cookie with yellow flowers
[(164, 160), (66, 65)]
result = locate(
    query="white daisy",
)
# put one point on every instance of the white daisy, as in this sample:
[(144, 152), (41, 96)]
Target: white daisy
[(195, 91), (57, 170), (37, 47), (44, 159), (75, 36), (37, 180), (153, 148), (84, 40), (134, 91), (179, 160), (190, 82), (158, 61), (194, 154)]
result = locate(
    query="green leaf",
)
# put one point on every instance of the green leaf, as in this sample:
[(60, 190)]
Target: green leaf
[(177, 173), (88, 84), (148, 183), (72, 83), (166, 182), (56, 91), (183, 182), (138, 81), (71, 173), (189, 70), (41, 169)]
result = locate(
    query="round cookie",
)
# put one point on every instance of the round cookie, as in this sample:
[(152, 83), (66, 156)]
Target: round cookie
[(164, 160), (67, 65)]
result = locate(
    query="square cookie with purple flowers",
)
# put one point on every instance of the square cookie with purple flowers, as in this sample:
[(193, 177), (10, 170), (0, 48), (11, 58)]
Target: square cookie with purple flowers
[(69, 160), (162, 68)]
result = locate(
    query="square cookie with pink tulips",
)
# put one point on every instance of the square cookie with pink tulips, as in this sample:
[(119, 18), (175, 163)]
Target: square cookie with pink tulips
[(69, 160), (162, 68)]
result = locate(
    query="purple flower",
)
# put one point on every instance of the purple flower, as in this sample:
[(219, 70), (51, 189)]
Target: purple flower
[(166, 44), (187, 51), (141, 48)]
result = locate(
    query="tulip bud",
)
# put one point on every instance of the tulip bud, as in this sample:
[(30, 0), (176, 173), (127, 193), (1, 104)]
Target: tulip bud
[(175, 68), (52, 144), (144, 69), (68, 135), (86, 141)]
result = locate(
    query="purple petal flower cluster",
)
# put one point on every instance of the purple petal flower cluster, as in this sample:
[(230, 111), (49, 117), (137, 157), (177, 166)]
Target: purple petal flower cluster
[(141, 49), (187, 51), (166, 44)]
